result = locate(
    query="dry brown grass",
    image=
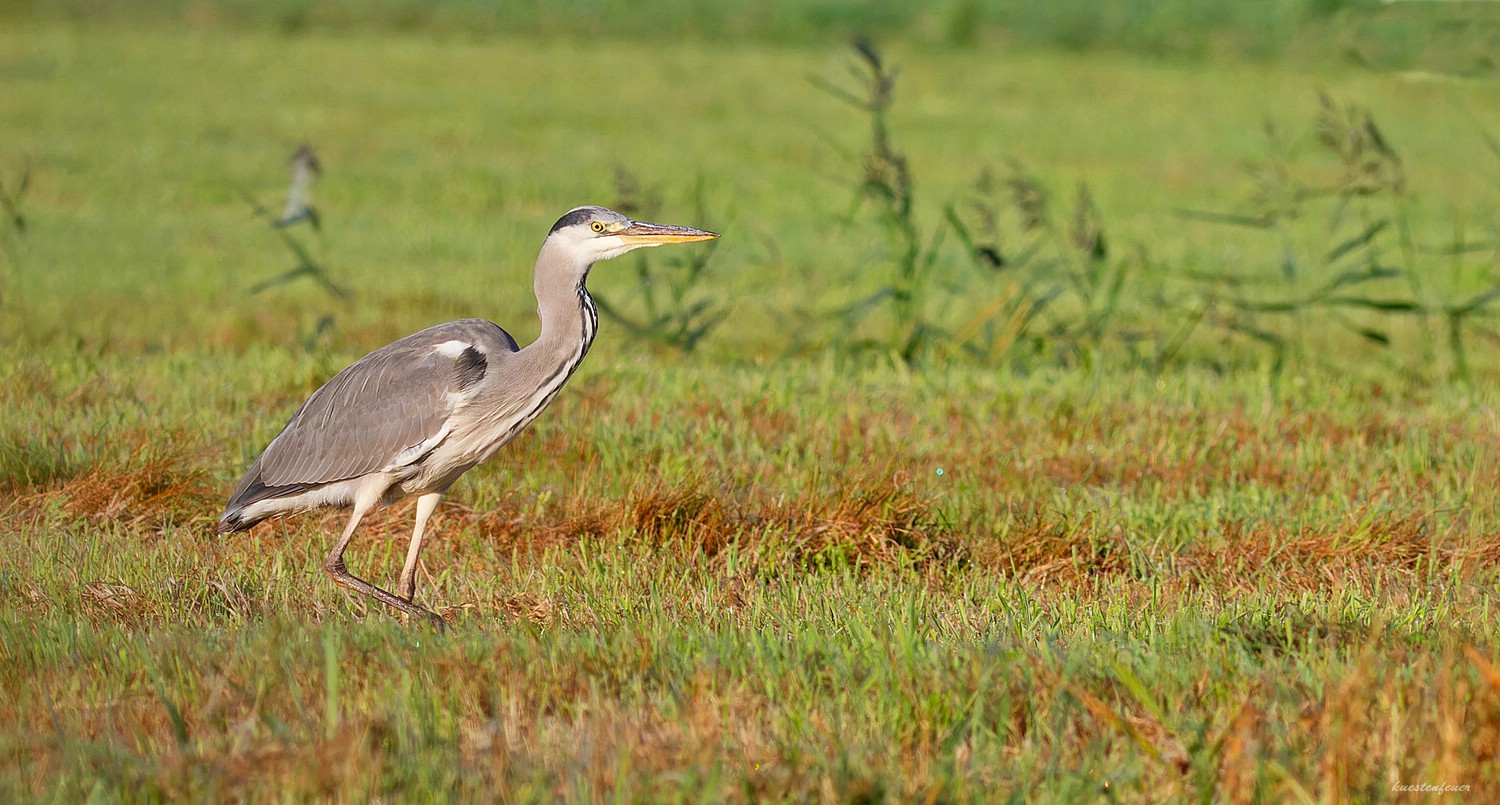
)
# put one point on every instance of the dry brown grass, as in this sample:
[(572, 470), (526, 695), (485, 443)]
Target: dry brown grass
[(1361, 552), (1044, 547), (869, 520), (151, 493), (137, 479)]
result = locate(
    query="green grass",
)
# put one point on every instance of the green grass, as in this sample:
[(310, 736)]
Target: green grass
[(733, 575), (1448, 38)]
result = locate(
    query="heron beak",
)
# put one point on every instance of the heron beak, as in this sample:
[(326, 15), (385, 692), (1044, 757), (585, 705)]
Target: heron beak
[(655, 234)]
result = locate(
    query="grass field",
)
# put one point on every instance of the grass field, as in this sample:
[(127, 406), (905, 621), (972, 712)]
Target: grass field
[(1094, 561)]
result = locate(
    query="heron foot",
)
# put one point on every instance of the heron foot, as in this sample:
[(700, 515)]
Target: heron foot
[(342, 577)]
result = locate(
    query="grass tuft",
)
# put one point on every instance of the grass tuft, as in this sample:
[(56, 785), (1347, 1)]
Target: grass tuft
[(861, 522), (153, 490)]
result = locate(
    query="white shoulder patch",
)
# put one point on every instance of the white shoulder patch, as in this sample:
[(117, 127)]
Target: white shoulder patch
[(453, 349)]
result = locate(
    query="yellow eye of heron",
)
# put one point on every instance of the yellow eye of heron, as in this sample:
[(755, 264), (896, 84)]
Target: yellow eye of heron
[(598, 226)]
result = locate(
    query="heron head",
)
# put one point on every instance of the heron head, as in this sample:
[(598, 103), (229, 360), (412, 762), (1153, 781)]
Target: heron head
[(591, 234)]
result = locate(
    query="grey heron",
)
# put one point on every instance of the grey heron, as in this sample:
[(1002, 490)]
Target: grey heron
[(411, 417)]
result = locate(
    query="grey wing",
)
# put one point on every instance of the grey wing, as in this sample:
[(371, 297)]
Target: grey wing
[(385, 410)]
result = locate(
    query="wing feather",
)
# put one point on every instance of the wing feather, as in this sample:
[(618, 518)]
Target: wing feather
[(357, 423)]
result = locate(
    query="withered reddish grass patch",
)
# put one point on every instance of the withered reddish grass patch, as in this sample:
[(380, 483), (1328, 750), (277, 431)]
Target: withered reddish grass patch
[(1044, 547), (1359, 552), (1175, 451), (870, 519), (152, 488)]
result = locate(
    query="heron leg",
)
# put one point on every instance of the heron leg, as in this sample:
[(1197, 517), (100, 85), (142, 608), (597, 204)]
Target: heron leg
[(426, 504), (334, 566)]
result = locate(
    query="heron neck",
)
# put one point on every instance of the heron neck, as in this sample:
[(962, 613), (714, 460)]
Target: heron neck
[(569, 319)]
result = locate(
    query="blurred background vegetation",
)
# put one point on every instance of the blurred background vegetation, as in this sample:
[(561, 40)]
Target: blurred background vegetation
[(1450, 37), (1443, 36), (1144, 183)]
